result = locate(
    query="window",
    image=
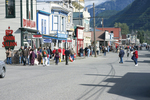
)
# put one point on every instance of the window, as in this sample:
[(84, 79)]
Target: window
[(42, 26), (27, 8), (55, 25), (31, 9), (10, 8), (62, 24)]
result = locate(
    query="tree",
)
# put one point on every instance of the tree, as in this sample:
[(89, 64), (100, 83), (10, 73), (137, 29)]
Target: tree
[(124, 27)]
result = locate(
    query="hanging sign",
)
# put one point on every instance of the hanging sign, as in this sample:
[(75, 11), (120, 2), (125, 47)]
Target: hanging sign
[(9, 40), (47, 40)]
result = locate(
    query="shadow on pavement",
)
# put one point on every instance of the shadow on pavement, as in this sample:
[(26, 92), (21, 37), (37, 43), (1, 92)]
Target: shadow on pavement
[(102, 75), (131, 85), (146, 55), (144, 61)]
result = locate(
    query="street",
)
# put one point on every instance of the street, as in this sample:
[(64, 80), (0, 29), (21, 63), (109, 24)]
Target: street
[(100, 78)]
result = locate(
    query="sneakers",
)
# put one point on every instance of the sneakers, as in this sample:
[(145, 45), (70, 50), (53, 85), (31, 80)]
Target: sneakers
[(136, 65)]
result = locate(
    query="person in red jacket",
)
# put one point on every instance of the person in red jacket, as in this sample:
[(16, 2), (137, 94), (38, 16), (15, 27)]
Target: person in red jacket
[(63, 53), (136, 56)]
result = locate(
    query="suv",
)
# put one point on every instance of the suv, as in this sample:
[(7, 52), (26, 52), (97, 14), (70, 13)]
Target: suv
[(2, 69)]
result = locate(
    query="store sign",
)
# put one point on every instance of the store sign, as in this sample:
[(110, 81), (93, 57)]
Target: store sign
[(36, 36), (29, 23), (62, 35), (47, 40), (66, 40), (9, 40)]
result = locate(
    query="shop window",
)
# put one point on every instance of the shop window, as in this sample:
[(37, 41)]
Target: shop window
[(44, 26), (10, 8), (55, 25), (31, 9), (27, 8)]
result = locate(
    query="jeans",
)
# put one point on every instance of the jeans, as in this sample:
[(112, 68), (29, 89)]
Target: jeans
[(48, 62), (121, 59), (72, 56), (44, 60), (24, 59), (135, 61), (57, 60), (20, 59), (104, 53), (28, 60), (9, 60), (88, 54), (81, 54)]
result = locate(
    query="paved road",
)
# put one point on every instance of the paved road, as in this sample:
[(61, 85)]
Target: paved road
[(101, 78)]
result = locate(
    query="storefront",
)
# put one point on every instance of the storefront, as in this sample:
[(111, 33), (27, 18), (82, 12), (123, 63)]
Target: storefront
[(28, 23), (80, 38)]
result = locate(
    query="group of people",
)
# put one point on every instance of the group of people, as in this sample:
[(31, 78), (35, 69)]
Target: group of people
[(132, 51), (40, 56)]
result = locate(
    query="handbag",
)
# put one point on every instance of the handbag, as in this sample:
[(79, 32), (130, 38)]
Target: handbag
[(133, 57)]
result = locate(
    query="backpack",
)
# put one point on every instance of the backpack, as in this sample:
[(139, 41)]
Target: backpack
[(44, 53)]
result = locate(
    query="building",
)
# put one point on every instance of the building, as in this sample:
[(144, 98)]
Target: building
[(61, 24), (116, 32), (19, 18)]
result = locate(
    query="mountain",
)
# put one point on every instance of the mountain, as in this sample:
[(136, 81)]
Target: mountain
[(116, 5), (136, 15)]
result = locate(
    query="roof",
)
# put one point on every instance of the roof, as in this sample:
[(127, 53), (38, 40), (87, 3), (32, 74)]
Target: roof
[(100, 35)]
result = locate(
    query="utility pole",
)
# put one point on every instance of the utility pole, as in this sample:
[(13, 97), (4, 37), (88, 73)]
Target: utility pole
[(94, 30)]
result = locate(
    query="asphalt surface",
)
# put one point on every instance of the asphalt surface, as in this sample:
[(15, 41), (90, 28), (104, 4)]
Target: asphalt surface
[(100, 78)]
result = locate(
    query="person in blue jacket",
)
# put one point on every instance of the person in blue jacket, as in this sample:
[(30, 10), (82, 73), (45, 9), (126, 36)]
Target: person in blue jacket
[(121, 54)]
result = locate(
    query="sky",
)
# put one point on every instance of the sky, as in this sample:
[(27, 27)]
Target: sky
[(87, 2)]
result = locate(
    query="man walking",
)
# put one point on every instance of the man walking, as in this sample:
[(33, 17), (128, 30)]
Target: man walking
[(81, 52), (44, 54), (121, 54), (67, 54)]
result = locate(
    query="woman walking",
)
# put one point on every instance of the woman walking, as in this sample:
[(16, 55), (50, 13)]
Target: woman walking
[(56, 56), (32, 56), (39, 57)]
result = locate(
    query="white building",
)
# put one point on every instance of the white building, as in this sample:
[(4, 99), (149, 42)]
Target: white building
[(20, 16)]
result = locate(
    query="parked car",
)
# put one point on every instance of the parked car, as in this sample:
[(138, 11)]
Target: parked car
[(2, 69)]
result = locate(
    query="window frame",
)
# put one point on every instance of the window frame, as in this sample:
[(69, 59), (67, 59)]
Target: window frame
[(55, 23), (31, 9), (62, 23), (27, 8), (6, 6)]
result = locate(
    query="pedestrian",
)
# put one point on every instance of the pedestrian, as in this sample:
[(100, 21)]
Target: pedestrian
[(48, 57), (25, 54), (72, 54), (56, 56), (39, 56), (135, 54), (63, 53), (67, 54), (20, 54), (44, 54), (85, 51), (97, 51), (29, 54), (8, 56), (128, 52), (32, 57), (88, 51), (81, 52), (121, 54), (105, 49)]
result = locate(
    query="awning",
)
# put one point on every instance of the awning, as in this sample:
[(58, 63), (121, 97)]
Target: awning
[(29, 30), (50, 37)]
